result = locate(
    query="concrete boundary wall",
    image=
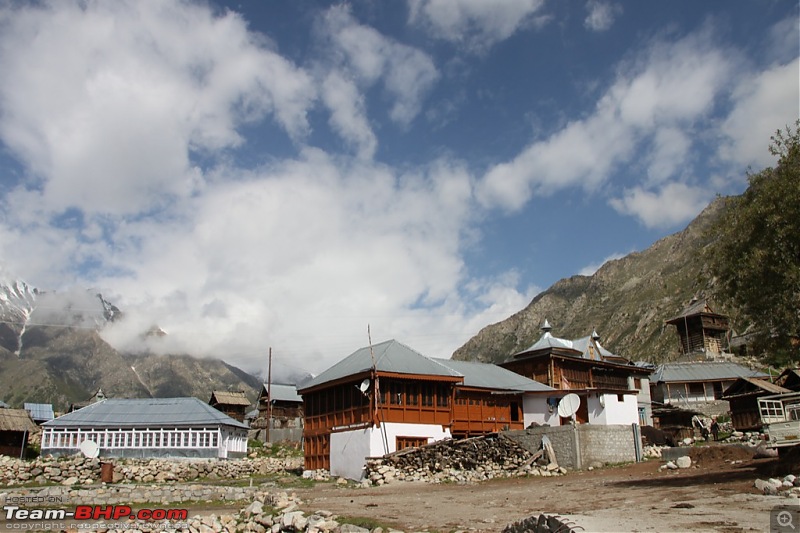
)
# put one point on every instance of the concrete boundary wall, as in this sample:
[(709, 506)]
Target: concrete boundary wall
[(583, 445)]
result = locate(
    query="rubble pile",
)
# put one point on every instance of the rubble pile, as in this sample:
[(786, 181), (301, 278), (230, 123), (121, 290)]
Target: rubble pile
[(462, 461), (753, 438), (788, 486), (81, 470)]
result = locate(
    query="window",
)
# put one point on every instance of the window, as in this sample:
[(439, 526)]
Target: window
[(412, 394), (427, 395), (442, 396)]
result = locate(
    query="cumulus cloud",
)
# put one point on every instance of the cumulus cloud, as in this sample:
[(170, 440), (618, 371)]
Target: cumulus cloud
[(601, 15), (475, 24), (667, 206), (105, 102), (763, 103), (590, 269), (645, 114), (406, 73)]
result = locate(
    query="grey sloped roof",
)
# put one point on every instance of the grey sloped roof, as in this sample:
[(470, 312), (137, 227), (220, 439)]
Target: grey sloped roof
[(488, 376), (40, 411), (282, 392), (702, 371), (145, 412), (390, 356)]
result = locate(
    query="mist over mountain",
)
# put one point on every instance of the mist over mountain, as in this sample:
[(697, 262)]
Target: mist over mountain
[(52, 350)]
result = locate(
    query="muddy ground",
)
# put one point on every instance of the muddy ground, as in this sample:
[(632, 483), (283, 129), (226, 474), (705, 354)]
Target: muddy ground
[(716, 494)]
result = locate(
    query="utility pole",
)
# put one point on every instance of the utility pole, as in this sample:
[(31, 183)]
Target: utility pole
[(269, 394)]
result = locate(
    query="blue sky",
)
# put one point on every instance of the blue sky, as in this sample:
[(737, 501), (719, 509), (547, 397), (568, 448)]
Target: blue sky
[(260, 173)]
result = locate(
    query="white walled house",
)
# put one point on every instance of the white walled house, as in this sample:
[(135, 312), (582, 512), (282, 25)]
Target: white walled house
[(147, 427), (380, 400)]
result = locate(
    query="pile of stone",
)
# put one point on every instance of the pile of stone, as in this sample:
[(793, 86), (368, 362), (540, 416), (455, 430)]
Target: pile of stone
[(542, 524), (81, 470), (753, 438), (681, 462), (462, 461), (652, 452), (788, 486)]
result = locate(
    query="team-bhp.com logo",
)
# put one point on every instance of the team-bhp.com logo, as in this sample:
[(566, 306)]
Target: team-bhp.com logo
[(95, 512)]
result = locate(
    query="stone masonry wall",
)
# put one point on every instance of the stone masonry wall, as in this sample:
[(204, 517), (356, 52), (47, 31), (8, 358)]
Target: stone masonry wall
[(561, 437)]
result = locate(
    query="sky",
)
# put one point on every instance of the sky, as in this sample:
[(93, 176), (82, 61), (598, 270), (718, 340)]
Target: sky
[(307, 175)]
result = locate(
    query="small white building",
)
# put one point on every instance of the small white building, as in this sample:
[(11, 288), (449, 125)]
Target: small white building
[(147, 427)]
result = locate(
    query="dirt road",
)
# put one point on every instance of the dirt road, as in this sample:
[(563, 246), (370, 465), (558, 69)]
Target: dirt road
[(716, 494)]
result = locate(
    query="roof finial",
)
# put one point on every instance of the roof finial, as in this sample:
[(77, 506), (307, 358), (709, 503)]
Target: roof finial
[(546, 327), (595, 336)]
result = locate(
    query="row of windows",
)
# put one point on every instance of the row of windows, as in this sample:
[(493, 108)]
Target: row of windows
[(133, 438), (390, 393)]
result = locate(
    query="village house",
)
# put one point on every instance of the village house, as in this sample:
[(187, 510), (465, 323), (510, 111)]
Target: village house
[(743, 397), (40, 412), (96, 397), (612, 389), (697, 384), (16, 427), (147, 427), (387, 397), (280, 413), (232, 403)]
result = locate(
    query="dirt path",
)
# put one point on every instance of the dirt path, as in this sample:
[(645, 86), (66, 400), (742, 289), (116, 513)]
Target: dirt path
[(714, 495)]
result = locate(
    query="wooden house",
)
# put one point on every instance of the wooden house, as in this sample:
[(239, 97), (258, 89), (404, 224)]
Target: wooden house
[(789, 379), (40, 412), (232, 403), (16, 427), (701, 331), (743, 397), (612, 389), (690, 383), (148, 427), (280, 411), (388, 397)]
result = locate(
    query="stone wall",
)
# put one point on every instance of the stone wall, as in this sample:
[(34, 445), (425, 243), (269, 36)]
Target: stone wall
[(597, 443), (78, 470)]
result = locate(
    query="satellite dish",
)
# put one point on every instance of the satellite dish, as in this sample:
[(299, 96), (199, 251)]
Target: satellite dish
[(90, 449), (568, 405), (364, 387)]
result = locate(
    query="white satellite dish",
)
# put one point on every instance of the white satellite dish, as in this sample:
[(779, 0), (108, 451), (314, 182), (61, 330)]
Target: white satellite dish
[(364, 387), (90, 449), (568, 405)]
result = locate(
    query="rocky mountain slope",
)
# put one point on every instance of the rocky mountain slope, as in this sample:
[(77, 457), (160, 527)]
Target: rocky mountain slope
[(51, 351), (626, 301)]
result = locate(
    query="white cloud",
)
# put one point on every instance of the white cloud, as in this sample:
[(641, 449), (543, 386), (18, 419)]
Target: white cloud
[(671, 204), (407, 74), (669, 86), (105, 101), (763, 103), (348, 116), (601, 15), (475, 24)]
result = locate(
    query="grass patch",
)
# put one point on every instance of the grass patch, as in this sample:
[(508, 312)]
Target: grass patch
[(368, 523)]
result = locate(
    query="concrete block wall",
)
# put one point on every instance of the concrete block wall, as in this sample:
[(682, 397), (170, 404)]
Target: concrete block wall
[(596, 443)]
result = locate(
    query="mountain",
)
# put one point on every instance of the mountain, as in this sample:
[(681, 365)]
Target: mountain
[(626, 301), (52, 351)]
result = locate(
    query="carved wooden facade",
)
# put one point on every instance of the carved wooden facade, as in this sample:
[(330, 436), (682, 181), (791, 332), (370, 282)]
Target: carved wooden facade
[(701, 330)]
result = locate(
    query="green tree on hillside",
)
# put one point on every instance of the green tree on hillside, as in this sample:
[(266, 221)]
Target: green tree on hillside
[(756, 256)]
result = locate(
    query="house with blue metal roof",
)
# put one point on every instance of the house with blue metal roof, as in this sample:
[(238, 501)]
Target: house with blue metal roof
[(147, 427), (689, 383), (40, 412), (387, 397)]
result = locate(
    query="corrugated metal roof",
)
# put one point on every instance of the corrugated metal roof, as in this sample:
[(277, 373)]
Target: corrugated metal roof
[(40, 411), (282, 392), (488, 376), (390, 356), (145, 412), (740, 388), (702, 371), (16, 420), (229, 397), (581, 346)]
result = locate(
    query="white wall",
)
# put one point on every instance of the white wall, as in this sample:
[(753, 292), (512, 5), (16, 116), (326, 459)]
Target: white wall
[(612, 411), (349, 449), (535, 409)]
